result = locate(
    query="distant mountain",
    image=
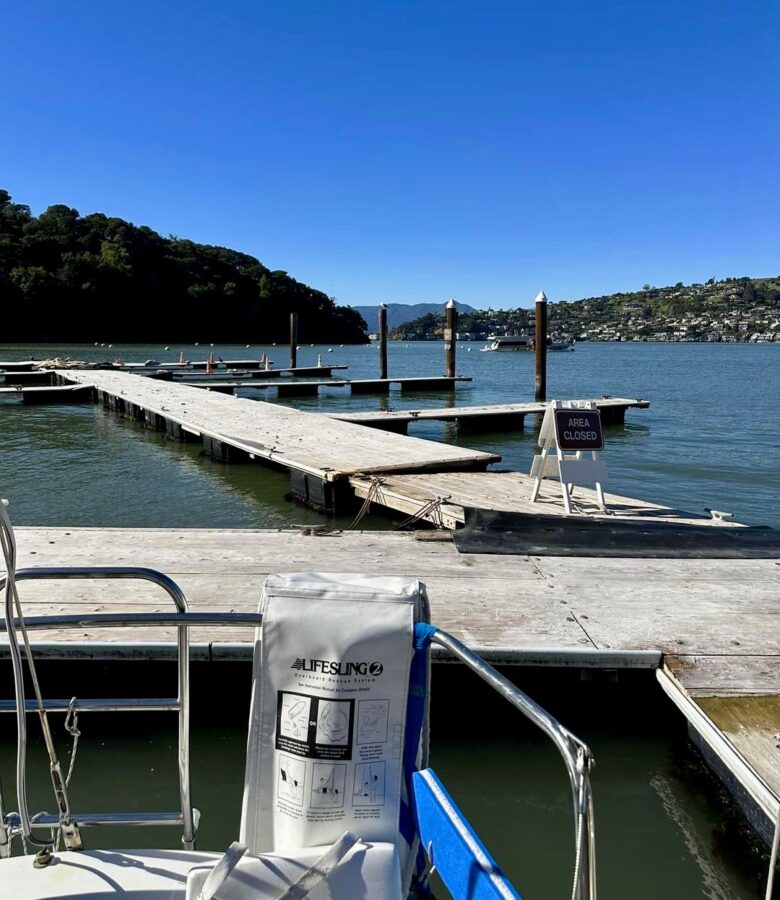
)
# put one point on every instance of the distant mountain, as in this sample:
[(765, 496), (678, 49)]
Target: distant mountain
[(400, 313)]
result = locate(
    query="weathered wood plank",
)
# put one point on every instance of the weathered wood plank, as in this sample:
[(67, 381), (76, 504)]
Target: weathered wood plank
[(752, 725), (301, 441), (470, 413), (709, 613), (727, 675), (507, 491)]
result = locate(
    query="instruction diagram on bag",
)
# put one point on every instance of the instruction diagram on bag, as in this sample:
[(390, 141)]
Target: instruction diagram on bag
[(369, 787), (290, 780), (294, 719), (333, 721), (327, 788), (316, 727), (372, 721)]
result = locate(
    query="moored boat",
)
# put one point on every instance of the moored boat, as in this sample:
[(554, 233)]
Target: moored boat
[(516, 342)]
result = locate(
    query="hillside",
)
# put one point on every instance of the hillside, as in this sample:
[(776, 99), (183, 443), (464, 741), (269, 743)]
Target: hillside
[(731, 310), (72, 278), (400, 313)]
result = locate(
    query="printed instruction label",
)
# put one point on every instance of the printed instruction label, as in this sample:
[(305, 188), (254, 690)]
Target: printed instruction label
[(314, 727)]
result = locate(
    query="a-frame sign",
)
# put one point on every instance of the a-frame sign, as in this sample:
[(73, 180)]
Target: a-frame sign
[(570, 426)]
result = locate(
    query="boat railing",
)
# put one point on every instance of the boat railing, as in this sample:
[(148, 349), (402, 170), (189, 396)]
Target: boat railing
[(21, 822), (576, 755)]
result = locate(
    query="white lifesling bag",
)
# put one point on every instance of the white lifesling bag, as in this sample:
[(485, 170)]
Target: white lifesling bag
[(328, 720)]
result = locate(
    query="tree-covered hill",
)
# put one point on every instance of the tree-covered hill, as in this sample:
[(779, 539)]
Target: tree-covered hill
[(730, 310), (71, 278)]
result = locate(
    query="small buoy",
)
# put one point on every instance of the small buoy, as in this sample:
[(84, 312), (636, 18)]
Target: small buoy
[(330, 349), (247, 346), (274, 344), (167, 348), (102, 345), (96, 344), (341, 345), (197, 344), (311, 345), (212, 345), (110, 346)]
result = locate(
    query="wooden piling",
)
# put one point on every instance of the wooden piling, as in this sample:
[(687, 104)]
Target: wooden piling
[(382, 340), (540, 347), (293, 340), (449, 339)]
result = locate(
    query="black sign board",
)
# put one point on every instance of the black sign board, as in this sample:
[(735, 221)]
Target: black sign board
[(579, 429)]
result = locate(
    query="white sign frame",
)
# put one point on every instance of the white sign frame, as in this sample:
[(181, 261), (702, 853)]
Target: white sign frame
[(572, 469)]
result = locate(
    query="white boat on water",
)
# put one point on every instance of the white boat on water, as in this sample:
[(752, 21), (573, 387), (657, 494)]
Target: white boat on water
[(503, 343), (340, 802)]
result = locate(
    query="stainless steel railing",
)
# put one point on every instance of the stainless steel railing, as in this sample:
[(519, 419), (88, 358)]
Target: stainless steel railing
[(22, 822), (576, 754)]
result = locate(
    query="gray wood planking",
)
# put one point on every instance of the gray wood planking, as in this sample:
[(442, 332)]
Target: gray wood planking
[(297, 440), (507, 491), (710, 614), (488, 411)]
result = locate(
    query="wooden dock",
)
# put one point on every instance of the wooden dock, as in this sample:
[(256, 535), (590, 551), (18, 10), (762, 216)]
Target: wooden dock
[(218, 365), (67, 393), (709, 627), (449, 495), (492, 417), (26, 376), (312, 388), (319, 452)]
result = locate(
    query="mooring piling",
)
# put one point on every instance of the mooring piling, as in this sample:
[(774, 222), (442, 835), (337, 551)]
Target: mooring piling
[(293, 340), (449, 338), (540, 347), (383, 340)]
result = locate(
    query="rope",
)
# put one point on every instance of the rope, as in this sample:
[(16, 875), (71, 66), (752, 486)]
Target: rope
[(372, 494), (431, 510), (72, 727), (8, 545)]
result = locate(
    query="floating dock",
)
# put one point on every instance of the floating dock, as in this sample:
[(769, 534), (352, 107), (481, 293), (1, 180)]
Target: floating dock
[(492, 417), (709, 628), (319, 452), (437, 383), (26, 376), (219, 365), (450, 495)]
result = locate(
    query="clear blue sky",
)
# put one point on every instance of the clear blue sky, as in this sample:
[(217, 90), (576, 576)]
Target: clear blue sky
[(412, 151)]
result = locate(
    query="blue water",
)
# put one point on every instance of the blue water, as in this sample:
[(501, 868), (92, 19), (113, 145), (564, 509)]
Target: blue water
[(711, 437)]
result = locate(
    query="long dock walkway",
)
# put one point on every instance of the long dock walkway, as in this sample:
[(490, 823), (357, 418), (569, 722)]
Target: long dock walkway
[(710, 628), (305, 443), (312, 388), (16, 376), (497, 416)]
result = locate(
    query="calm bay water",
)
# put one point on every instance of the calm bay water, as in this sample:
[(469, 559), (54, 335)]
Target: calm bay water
[(710, 438)]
